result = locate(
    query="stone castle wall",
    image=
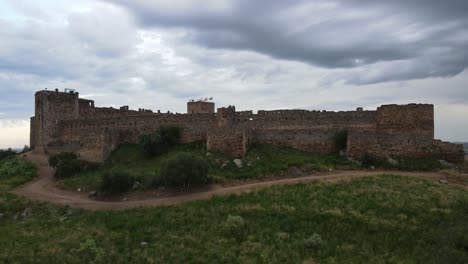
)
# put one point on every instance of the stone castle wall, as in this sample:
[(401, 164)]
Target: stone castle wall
[(64, 122)]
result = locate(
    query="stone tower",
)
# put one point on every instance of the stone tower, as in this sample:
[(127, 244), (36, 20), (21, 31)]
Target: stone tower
[(50, 108)]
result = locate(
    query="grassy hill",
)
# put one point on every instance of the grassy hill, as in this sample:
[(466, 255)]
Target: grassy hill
[(370, 220), (261, 161)]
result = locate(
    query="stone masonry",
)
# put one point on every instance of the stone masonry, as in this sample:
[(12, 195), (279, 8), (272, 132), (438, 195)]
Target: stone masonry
[(63, 122)]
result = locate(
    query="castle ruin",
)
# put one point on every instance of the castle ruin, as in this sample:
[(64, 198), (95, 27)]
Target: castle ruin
[(63, 122)]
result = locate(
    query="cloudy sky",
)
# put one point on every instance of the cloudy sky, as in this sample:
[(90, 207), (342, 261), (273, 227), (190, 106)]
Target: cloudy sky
[(262, 54)]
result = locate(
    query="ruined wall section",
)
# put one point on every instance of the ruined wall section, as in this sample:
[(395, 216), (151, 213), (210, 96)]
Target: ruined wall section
[(411, 119), (95, 138), (385, 145)]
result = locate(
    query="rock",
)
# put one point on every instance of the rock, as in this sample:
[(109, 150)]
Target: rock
[(392, 162), (224, 164), (238, 163), (308, 168), (294, 171), (342, 153), (208, 154), (143, 243), (124, 199), (136, 185), (372, 167), (447, 164), (26, 213), (79, 189), (1, 215), (357, 162), (92, 194), (443, 181)]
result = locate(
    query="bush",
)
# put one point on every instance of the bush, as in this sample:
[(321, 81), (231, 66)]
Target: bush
[(160, 142), (61, 157), (341, 138), (16, 167), (235, 227), (6, 153), (314, 241), (67, 165), (116, 182), (184, 170), (369, 160)]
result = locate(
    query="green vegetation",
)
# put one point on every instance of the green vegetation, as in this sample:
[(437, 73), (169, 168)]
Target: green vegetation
[(13, 167), (68, 165), (260, 161), (341, 138), (184, 170), (389, 219), (161, 141), (4, 153), (116, 182), (407, 164)]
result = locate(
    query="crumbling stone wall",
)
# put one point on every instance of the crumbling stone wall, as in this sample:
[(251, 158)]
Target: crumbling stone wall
[(65, 122)]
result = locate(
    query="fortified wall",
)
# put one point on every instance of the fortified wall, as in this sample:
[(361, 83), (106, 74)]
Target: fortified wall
[(63, 122)]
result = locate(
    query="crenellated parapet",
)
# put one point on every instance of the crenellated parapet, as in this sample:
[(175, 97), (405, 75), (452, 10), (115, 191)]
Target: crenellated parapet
[(65, 122)]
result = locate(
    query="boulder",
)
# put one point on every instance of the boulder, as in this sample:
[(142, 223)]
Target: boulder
[(27, 212), (447, 164), (443, 181), (93, 194), (238, 163), (392, 162), (294, 171)]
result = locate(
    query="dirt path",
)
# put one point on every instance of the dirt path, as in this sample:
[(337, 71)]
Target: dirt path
[(43, 189)]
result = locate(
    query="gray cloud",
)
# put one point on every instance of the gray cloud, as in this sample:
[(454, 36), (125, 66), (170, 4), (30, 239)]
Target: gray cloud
[(254, 54), (425, 38)]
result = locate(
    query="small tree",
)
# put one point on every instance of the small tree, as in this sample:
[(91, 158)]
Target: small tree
[(160, 142), (184, 170)]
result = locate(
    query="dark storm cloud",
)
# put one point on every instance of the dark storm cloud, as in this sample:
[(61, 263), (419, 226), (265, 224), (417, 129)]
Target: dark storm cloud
[(418, 39)]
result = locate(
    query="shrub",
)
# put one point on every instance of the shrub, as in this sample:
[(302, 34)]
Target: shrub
[(116, 182), (184, 170), (169, 134), (6, 153), (16, 167), (160, 142), (314, 241), (370, 160), (341, 138), (64, 156), (235, 227), (67, 165)]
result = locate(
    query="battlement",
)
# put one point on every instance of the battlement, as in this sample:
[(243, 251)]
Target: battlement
[(65, 122)]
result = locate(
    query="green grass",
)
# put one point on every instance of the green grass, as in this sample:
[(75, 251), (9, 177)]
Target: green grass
[(260, 161), (385, 219)]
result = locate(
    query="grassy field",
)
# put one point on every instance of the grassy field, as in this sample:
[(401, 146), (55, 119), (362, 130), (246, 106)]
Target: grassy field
[(385, 219), (260, 161)]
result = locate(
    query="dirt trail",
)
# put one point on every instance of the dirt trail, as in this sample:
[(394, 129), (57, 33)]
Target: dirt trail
[(43, 188)]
